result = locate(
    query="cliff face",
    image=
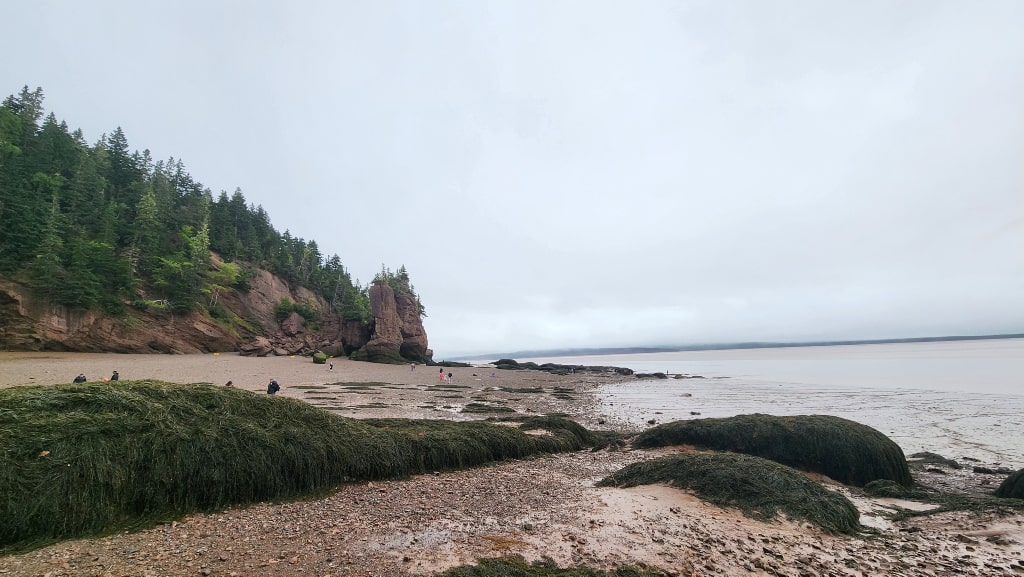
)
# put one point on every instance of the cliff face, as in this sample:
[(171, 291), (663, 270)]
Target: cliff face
[(27, 324)]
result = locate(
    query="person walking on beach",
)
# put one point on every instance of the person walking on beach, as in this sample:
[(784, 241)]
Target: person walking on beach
[(449, 378), (331, 366), (412, 367), (273, 387), (440, 374)]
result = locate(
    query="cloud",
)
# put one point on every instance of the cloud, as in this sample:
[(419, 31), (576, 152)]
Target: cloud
[(593, 174)]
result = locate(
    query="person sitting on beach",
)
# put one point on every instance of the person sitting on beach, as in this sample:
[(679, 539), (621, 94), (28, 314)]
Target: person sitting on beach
[(115, 376), (273, 387), (229, 384), (80, 378)]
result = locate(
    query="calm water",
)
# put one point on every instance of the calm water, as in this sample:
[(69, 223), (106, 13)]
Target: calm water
[(958, 399)]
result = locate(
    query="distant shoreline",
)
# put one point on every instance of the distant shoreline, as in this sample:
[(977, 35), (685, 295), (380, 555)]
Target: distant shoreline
[(584, 352)]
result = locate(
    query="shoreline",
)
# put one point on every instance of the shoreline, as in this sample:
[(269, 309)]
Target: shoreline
[(541, 507)]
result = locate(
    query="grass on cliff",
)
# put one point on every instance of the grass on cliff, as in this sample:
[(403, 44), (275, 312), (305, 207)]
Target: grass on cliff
[(79, 460), (846, 451), (758, 487), (516, 566)]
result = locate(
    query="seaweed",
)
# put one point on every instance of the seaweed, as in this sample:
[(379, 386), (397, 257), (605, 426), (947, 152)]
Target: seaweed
[(78, 460), (846, 451), (758, 487)]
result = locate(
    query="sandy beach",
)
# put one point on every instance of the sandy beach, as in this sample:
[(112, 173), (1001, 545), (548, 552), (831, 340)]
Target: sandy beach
[(542, 507)]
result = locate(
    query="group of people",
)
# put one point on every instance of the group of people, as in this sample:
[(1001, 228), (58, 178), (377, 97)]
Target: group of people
[(81, 378), (441, 376), (272, 387)]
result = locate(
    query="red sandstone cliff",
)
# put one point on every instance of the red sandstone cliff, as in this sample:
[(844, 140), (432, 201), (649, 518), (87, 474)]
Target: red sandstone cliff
[(396, 332)]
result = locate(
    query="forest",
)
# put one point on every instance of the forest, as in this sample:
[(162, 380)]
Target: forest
[(102, 227)]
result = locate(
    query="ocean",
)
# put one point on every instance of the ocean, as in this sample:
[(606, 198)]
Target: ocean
[(955, 398)]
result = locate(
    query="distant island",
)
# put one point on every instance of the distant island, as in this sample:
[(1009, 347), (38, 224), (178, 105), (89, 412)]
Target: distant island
[(583, 352)]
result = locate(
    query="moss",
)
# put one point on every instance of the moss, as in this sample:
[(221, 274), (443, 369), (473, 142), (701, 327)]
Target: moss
[(319, 358), (846, 451), (758, 487)]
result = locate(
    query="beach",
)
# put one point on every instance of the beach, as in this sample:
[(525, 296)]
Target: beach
[(545, 507)]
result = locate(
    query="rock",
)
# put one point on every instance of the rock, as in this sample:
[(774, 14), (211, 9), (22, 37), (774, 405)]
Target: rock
[(398, 334), (996, 471), (292, 324)]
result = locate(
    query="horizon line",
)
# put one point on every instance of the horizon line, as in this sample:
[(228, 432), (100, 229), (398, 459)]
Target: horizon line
[(597, 351)]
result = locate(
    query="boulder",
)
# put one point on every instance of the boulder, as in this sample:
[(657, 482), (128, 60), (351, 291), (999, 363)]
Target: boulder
[(293, 324)]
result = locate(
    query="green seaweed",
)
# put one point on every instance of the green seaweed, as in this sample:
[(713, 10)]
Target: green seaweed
[(758, 487), (846, 451), (88, 459)]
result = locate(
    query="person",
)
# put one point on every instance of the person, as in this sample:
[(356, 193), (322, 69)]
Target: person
[(330, 366), (273, 387), (229, 384), (80, 378), (115, 376), (412, 367), (449, 378), (440, 374)]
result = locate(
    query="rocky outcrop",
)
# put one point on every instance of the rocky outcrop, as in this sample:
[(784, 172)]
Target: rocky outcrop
[(251, 326), (31, 325), (397, 331), (414, 336)]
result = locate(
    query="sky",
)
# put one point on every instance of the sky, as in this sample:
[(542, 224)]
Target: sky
[(585, 173)]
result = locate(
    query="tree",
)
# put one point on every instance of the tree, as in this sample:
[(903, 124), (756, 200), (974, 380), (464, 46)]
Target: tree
[(220, 279), (46, 273)]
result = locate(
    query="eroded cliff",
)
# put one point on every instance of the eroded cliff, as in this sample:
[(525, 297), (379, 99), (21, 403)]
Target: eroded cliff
[(248, 324)]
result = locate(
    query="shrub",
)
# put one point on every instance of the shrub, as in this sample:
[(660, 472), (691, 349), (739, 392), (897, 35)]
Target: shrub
[(286, 306), (319, 358), (846, 451), (758, 487)]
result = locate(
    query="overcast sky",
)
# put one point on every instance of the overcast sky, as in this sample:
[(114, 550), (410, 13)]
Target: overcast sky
[(587, 173)]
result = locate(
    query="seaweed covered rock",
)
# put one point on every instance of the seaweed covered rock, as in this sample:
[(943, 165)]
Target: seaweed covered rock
[(558, 369), (887, 489), (516, 566), (759, 487), (1012, 487), (846, 451), (90, 458)]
